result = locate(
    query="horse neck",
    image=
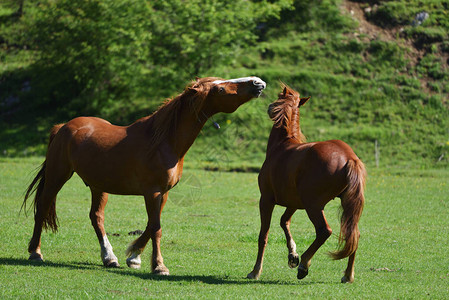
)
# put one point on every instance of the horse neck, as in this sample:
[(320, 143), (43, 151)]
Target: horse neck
[(277, 137), (188, 127), (173, 127), (295, 129), (281, 135)]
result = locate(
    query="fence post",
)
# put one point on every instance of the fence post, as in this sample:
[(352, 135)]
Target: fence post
[(376, 153)]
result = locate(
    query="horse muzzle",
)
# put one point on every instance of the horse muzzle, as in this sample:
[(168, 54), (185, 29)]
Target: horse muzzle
[(258, 86)]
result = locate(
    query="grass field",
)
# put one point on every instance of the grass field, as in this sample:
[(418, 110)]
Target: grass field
[(210, 228)]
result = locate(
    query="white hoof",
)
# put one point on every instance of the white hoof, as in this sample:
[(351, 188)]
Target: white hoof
[(293, 260), (134, 261)]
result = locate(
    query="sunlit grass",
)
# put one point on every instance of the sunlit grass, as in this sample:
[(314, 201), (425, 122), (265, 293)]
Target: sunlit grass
[(210, 228)]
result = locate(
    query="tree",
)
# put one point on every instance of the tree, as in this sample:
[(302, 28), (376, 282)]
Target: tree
[(98, 51)]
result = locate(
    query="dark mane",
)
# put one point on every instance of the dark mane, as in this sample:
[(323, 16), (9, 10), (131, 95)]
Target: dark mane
[(164, 120), (285, 114)]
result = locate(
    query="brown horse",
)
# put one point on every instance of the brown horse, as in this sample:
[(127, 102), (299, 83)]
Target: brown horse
[(301, 175), (145, 158)]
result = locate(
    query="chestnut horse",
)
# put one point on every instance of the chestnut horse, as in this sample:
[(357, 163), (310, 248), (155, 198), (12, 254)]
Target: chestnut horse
[(299, 175), (145, 158)]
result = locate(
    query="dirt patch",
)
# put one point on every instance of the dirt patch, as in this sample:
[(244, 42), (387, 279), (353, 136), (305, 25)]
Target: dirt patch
[(368, 31)]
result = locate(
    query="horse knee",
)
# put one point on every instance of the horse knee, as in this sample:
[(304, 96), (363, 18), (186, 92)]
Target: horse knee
[(263, 240), (286, 219), (95, 218), (284, 223), (324, 232)]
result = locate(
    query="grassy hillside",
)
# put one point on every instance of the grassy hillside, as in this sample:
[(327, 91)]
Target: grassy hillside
[(367, 82), (377, 76)]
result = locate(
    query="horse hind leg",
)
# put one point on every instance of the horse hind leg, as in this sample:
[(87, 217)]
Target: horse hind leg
[(323, 232), (348, 277), (50, 184), (293, 257), (99, 201)]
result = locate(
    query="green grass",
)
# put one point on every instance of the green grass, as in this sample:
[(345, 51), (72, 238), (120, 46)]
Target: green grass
[(210, 228)]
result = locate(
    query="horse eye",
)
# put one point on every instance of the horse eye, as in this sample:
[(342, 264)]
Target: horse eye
[(221, 90)]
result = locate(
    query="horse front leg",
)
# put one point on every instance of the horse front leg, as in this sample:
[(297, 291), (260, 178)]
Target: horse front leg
[(154, 204), (323, 232), (99, 201), (293, 257), (266, 207)]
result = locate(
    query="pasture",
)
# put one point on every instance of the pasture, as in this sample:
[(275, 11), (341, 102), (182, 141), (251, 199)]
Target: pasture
[(210, 227)]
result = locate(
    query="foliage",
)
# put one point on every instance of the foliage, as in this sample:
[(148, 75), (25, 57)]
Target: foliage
[(89, 52), (120, 59), (96, 52)]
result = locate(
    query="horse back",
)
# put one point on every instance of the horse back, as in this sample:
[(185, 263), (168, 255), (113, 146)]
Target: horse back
[(296, 172)]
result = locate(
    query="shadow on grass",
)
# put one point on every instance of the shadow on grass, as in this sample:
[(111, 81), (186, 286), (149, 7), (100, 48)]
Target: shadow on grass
[(207, 279), (26, 262)]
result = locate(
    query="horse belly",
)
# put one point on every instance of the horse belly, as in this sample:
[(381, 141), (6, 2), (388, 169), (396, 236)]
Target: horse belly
[(110, 181), (285, 190), (288, 197)]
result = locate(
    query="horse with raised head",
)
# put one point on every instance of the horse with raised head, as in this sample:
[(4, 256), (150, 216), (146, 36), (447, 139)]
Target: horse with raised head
[(145, 158), (300, 175)]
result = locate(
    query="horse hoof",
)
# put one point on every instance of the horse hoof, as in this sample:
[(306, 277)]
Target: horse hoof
[(293, 260), (345, 279), (302, 272), (133, 266), (134, 262), (112, 264), (161, 270), (37, 257), (253, 275)]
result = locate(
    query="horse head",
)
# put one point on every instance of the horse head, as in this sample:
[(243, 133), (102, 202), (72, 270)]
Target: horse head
[(284, 112), (226, 96)]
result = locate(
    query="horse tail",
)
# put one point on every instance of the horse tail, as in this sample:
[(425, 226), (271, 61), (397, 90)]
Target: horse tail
[(37, 185), (352, 201)]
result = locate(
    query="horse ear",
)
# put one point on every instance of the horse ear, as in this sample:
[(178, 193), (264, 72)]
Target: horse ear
[(303, 101), (197, 78), (193, 89), (284, 92)]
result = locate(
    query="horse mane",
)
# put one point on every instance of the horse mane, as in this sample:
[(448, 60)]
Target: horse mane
[(163, 121), (285, 113)]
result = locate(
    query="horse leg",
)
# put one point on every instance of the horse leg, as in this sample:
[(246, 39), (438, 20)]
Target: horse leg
[(293, 257), (349, 273), (99, 201), (42, 209), (154, 204), (157, 262), (266, 209), (55, 177), (323, 232)]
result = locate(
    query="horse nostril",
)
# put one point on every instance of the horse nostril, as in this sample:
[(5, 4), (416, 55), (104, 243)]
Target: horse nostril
[(259, 84)]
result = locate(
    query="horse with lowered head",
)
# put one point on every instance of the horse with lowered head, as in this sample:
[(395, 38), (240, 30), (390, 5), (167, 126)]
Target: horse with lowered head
[(145, 158), (300, 175)]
